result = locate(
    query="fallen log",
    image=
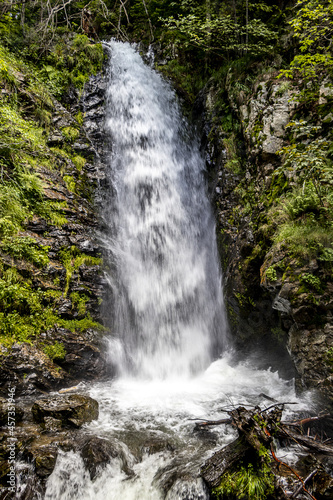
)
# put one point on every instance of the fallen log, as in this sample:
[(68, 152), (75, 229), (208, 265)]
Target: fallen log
[(309, 442), (223, 460), (257, 428)]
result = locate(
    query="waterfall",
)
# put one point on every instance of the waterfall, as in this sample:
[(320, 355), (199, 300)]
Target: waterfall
[(167, 319), (169, 314)]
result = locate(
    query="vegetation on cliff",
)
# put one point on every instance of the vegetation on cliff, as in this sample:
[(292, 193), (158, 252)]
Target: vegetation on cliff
[(38, 174)]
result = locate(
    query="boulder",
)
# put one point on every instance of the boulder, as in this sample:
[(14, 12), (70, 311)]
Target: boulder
[(98, 452), (71, 410)]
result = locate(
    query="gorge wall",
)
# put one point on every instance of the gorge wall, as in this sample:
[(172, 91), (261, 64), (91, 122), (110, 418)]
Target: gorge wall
[(278, 295)]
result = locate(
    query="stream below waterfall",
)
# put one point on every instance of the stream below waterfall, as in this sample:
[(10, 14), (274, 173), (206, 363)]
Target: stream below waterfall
[(170, 345)]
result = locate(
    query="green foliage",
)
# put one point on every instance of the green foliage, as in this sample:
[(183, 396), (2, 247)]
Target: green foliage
[(70, 183), (233, 161), (26, 248), (55, 351), (305, 240), (79, 300), (223, 34), (73, 63), (72, 259), (312, 281), (82, 325), (27, 312), (79, 162), (329, 356), (307, 158), (313, 30), (270, 274), (246, 484), (70, 134)]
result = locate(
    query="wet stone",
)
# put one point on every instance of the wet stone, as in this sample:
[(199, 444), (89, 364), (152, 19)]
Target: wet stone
[(97, 453), (71, 410)]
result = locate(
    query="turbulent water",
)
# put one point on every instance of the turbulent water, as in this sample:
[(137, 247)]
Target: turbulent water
[(169, 330), (168, 301)]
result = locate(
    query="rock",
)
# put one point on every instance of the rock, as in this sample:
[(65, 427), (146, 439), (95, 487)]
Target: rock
[(282, 305), (72, 410), (52, 424), (83, 358), (44, 457), (55, 139), (30, 368), (325, 91), (98, 452)]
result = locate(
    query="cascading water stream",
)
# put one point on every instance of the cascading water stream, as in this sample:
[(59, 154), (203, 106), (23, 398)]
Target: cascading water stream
[(168, 318), (169, 310)]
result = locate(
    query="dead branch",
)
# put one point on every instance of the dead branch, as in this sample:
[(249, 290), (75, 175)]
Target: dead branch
[(256, 429), (300, 423), (149, 21), (294, 495), (309, 442), (205, 423), (122, 7)]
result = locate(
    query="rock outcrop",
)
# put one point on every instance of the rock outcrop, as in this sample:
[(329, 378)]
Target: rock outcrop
[(69, 410), (271, 307)]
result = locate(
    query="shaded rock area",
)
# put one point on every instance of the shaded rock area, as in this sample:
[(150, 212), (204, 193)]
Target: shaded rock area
[(287, 322), (43, 428), (98, 452)]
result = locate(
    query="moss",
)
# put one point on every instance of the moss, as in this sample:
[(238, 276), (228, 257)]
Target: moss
[(54, 351), (70, 134), (311, 281), (72, 259), (26, 248), (79, 162), (270, 274), (70, 183), (79, 300)]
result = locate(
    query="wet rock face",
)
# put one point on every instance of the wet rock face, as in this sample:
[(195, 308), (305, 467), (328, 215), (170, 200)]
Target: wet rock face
[(28, 365), (70, 410), (290, 327), (97, 453)]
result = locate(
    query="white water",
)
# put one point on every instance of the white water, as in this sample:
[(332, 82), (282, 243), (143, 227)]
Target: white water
[(168, 321), (168, 298)]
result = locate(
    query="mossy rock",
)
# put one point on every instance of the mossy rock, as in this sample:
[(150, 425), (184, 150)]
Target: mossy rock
[(71, 410)]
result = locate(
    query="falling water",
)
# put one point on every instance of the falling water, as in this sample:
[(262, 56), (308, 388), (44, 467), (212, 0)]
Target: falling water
[(168, 319), (169, 309)]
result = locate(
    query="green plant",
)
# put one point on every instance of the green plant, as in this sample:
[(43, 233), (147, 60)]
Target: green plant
[(79, 162), (72, 259), (270, 274), (70, 134), (54, 351), (26, 248), (311, 280), (70, 183), (79, 301), (248, 483), (329, 355)]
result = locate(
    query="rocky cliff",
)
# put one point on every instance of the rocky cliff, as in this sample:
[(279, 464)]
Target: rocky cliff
[(278, 283), (52, 285)]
